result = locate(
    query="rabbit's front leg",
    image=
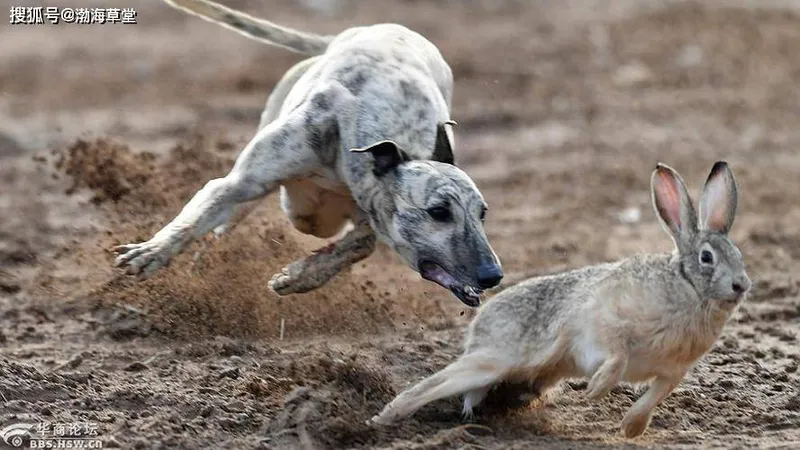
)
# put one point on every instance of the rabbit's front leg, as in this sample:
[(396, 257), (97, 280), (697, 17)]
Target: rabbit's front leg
[(638, 417), (608, 375)]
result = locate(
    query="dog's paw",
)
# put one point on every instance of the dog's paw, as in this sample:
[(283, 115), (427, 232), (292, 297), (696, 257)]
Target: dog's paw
[(292, 279), (281, 283), (143, 258), (301, 276)]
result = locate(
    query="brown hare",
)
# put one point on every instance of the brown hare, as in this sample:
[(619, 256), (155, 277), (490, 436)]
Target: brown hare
[(648, 318)]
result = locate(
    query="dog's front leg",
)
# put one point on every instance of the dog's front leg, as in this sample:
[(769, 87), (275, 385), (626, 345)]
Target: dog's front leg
[(313, 271), (278, 152)]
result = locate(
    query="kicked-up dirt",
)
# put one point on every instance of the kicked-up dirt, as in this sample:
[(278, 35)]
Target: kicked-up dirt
[(563, 109)]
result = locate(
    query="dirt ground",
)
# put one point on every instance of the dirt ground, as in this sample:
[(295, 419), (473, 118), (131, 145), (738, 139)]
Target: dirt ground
[(564, 109)]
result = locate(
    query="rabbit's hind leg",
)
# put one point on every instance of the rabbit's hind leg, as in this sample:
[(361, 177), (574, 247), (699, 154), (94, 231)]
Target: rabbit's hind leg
[(472, 399), (471, 372), (608, 375)]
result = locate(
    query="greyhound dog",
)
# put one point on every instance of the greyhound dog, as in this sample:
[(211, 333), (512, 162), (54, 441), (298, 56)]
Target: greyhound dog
[(358, 134)]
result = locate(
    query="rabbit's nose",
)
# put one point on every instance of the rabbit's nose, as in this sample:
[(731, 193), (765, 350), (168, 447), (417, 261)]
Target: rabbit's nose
[(741, 284), (489, 275)]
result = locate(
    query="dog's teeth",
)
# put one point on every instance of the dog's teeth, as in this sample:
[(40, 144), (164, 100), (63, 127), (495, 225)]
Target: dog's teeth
[(472, 291)]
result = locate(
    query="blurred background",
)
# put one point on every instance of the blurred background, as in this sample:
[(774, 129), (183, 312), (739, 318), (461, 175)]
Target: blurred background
[(564, 108)]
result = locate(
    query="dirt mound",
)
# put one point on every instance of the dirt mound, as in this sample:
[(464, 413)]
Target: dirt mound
[(332, 407), (106, 167), (216, 286)]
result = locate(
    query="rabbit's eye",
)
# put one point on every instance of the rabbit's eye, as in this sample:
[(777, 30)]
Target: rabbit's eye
[(706, 257), (483, 213)]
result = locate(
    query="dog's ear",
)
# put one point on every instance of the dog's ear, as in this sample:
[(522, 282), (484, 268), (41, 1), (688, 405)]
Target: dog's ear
[(387, 154), (443, 151)]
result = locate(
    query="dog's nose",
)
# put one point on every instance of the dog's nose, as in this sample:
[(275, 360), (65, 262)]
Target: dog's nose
[(489, 275), (740, 284)]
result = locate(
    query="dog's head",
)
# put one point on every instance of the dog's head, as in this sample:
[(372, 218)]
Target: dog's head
[(431, 214)]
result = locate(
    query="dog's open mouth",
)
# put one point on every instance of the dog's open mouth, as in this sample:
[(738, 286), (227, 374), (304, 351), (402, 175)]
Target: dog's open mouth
[(468, 295)]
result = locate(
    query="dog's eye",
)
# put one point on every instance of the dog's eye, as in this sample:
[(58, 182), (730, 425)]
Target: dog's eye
[(439, 213), (706, 257)]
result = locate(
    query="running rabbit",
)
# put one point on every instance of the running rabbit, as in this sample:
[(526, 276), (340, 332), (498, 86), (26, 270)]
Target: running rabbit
[(645, 318)]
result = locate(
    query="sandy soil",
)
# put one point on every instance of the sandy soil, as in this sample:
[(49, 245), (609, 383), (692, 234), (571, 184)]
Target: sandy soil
[(564, 109)]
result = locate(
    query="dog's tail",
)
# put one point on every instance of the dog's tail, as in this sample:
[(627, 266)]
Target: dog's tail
[(255, 28)]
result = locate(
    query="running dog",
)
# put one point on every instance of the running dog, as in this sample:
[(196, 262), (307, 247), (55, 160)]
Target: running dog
[(360, 133)]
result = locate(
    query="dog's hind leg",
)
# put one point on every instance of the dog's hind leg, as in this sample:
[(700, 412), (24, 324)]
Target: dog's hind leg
[(314, 210), (279, 151), (313, 271), (277, 97), (469, 374)]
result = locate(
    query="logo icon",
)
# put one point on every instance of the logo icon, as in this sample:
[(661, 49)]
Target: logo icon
[(14, 434)]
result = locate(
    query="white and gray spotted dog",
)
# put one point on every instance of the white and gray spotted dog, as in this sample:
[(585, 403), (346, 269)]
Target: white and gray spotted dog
[(359, 132)]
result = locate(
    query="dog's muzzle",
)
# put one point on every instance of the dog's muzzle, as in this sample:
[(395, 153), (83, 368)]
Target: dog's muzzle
[(489, 275), (468, 295)]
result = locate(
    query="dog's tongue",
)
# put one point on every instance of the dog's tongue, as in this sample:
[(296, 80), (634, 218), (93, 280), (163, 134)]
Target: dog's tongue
[(467, 294), (433, 272)]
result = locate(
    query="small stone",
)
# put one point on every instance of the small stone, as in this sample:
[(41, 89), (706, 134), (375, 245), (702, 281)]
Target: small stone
[(74, 362), (232, 372), (9, 287), (630, 215), (207, 411), (136, 367), (234, 406), (689, 56), (633, 74), (300, 393)]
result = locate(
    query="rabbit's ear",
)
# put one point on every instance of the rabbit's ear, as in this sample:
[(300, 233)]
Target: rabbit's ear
[(673, 204), (719, 199)]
